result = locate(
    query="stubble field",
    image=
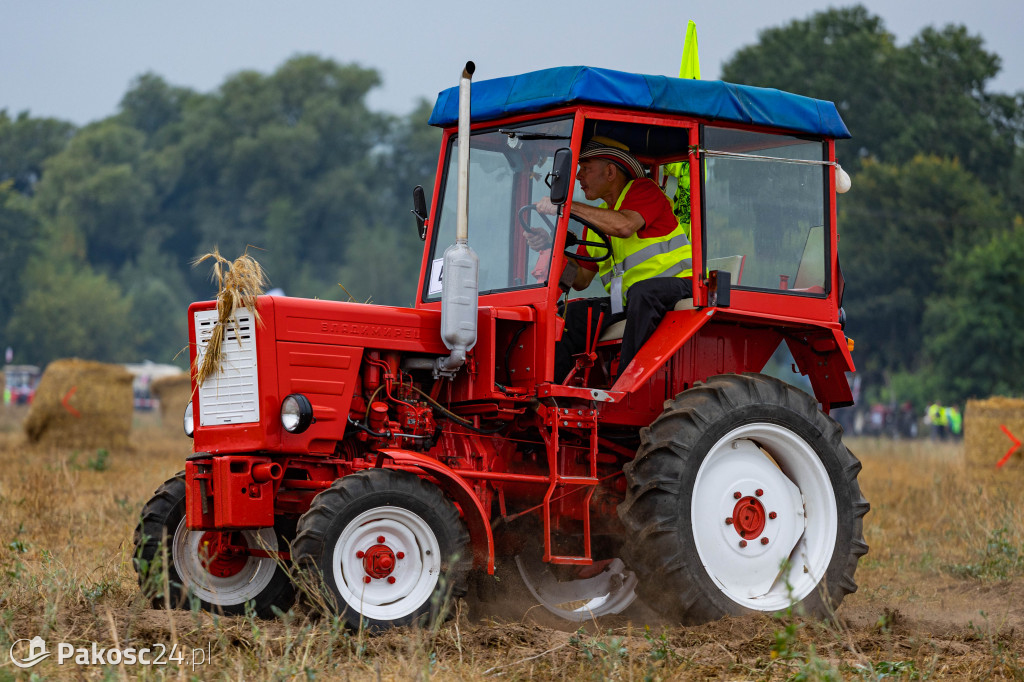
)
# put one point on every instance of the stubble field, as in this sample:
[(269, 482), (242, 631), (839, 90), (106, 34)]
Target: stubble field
[(941, 595)]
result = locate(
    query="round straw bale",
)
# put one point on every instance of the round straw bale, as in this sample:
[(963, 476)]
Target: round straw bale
[(985, 443), (173, 392), (80, 403)]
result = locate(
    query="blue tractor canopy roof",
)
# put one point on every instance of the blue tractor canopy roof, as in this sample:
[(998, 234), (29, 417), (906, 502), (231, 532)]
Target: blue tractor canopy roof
[(572, 85)]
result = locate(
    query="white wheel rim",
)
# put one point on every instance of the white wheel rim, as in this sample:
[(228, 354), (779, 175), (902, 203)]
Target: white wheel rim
[(607, 593), (404, 588), (238, 588), (794, 484)]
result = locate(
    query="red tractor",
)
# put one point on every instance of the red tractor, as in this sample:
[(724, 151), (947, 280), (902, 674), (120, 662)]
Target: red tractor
[(384, 453)]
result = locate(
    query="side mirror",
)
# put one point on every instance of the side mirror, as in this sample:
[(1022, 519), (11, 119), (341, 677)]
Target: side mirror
[(419, 209), (560, 178)]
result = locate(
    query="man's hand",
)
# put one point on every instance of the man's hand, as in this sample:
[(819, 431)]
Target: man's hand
[(538, 238), (546, 207)]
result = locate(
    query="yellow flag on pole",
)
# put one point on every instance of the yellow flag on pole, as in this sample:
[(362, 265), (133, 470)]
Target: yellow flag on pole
[(690, 65), (679, 172)]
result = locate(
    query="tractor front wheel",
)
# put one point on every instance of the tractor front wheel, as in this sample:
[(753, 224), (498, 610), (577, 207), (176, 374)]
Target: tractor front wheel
[(743, 498), (389, 548), (223, 569)]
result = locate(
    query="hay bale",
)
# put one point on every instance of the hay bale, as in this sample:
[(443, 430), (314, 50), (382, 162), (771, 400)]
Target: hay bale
[(81, 404), (173, 392), (984, 441)]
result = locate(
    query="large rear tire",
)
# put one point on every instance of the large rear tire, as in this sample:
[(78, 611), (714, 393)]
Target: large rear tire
[(209, 565), (389, 548), (742, 498)]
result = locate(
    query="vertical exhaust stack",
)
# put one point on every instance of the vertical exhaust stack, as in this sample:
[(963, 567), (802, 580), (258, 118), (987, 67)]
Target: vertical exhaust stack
[(460, 272)]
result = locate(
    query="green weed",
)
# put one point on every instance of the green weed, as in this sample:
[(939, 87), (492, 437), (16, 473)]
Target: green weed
[(1000, 559), (608, 653)]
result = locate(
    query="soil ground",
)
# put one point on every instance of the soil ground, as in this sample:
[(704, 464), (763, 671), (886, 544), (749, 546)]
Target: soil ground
[(940, 592)]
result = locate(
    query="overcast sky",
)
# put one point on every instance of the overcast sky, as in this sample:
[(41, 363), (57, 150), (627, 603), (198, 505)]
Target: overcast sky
[(74, 59)]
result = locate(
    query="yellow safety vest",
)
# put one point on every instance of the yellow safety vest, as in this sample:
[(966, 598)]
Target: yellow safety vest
[(638, 259), (936, 414)]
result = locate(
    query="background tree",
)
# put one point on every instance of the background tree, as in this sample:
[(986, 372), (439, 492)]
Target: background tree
[(292, 166), (25, 143), (17, 234), (973, 341), (95, 195), (928, 97), (898, 229), (71, 311)]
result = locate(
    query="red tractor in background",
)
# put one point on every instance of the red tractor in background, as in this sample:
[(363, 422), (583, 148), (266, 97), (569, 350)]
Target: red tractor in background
[(388, 452)]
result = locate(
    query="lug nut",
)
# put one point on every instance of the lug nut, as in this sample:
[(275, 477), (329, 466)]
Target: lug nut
[(401, 555), (743, 543), (764, 541), (728, 520), (772, 515), (366, 578), (737, 495), (359, 554), (391, 580), (380, 539), (759, 492)]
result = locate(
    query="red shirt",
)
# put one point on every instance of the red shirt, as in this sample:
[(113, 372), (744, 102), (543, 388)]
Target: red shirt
[(647, 199)]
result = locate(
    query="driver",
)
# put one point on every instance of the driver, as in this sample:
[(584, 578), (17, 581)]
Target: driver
[(649, 266)]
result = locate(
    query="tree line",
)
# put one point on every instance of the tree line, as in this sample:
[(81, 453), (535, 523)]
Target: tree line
[(99, 224)]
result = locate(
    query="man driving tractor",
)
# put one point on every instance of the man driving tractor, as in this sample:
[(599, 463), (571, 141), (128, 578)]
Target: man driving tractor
[(649, 267)]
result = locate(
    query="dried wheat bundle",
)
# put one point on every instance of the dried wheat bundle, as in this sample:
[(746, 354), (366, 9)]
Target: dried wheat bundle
[(238, 285)]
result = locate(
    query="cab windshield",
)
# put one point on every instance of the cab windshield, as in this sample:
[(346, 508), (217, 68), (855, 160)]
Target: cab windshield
[(508, 166)]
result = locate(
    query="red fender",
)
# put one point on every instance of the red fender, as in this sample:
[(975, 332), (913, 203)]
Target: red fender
[(458, 489), (674, 331)]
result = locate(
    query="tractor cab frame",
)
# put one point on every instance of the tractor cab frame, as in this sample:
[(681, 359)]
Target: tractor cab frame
[(761, 208)]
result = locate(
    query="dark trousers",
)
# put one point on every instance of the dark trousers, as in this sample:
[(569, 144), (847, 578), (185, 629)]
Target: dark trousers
[(647, 301)]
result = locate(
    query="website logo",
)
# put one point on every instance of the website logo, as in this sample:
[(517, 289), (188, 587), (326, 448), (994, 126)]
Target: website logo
[(36, 652)]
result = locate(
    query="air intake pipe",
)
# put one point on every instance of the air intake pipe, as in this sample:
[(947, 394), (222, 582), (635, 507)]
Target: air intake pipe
[(460, 271)]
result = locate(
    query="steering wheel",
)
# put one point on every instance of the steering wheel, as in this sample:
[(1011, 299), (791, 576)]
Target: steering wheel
[(605, 243), (570, 239), (525, 223)]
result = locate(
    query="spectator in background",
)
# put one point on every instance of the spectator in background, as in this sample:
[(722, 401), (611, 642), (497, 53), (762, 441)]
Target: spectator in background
[(936, 417), (954, 421)]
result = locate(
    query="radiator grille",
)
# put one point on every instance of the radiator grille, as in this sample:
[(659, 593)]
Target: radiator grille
[(232, 395)]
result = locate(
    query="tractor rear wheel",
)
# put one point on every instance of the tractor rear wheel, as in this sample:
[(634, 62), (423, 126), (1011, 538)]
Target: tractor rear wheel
[(389, 548), (213, 566), (742, 498)]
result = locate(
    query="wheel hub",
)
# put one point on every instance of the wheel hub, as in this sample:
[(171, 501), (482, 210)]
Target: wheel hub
[(748, 517), (219, 556), (379, 561)]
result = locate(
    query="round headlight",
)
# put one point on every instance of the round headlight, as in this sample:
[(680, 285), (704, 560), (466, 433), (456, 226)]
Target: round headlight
[(188, 422), (296, 413)]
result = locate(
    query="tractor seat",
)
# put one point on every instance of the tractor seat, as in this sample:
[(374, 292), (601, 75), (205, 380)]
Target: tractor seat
[(732, 264)]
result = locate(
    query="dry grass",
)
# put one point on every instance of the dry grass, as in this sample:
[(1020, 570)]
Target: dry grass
[(239, 282), (939, 593)]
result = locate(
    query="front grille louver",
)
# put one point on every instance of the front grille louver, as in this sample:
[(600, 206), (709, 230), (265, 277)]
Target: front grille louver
[(232, 395)]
